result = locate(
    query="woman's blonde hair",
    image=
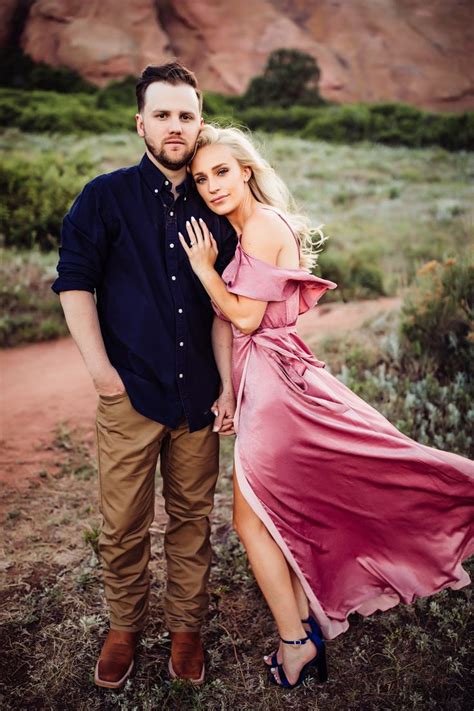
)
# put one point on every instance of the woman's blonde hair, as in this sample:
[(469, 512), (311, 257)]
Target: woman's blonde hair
[(267, 187)]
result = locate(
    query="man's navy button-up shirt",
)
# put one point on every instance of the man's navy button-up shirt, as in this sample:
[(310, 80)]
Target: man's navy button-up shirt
[(120, 240)]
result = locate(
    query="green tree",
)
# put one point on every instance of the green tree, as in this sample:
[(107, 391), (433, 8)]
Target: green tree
[(290, 77), (19, 71)]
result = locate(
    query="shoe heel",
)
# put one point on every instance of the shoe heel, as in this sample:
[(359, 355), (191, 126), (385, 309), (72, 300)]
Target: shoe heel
[(321, 664)]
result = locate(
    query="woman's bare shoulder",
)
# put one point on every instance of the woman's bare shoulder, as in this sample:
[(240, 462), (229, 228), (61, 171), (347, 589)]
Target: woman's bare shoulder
[(265, 234)]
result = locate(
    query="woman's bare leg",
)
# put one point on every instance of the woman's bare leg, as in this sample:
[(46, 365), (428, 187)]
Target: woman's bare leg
[(301, 599), (303, 608), (273, 577)]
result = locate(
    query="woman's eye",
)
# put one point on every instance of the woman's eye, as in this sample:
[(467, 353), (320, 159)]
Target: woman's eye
[(222, 171), (199, 181)]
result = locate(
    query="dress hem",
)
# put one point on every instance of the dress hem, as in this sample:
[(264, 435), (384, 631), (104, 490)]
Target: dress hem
[(331, 628)]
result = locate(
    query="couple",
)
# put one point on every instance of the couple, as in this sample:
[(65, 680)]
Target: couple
[(200, 269)]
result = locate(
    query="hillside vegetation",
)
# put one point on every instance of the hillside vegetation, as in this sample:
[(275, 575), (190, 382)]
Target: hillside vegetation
[(112, 109), (386, 210)]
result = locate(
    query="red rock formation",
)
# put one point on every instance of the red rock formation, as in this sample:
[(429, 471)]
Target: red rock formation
[(369, 50), (103, 40), (414, 51), (228, 43)]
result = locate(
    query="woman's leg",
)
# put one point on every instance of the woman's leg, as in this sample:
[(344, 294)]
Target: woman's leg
[(303, 609), (300, 596), (273, 577)]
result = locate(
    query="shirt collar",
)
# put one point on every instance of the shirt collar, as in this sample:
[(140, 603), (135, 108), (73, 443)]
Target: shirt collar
[(157, 181)]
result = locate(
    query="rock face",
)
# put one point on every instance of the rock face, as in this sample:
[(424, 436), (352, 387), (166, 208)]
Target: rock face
[(368, 50), (103, 40)]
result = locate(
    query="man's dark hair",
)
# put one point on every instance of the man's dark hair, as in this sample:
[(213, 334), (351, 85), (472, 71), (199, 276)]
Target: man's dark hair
[(172, 73)]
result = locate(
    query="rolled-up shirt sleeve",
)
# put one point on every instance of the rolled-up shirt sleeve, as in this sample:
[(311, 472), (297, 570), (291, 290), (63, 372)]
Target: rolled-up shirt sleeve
[(83, 248)]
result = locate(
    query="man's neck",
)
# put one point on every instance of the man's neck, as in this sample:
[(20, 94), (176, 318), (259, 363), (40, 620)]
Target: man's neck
[(176, 177)]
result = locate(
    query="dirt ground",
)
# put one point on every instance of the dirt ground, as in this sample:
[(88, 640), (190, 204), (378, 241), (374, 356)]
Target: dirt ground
[(46, 385), (53, 616)]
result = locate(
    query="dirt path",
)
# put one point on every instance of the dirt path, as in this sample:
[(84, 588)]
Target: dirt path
[(45, 385)]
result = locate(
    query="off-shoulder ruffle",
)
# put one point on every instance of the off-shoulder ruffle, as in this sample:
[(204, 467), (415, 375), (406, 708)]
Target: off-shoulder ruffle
[(256, 279)]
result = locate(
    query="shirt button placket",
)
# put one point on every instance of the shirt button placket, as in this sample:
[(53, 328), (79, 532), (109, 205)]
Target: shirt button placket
[(172, 264)]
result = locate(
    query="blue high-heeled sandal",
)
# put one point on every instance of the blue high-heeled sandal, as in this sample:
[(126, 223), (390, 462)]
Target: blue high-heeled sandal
[(318, 662), (314, 629)]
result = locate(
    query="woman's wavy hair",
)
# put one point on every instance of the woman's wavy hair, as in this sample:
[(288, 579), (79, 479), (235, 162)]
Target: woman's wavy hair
[(266, 186)]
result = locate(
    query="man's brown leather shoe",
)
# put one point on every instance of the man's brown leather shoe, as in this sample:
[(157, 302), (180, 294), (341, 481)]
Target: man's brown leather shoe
[(116, 659), (187, 657)]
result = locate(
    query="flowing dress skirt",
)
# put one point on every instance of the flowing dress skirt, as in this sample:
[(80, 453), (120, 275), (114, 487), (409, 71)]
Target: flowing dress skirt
[(364, 515)]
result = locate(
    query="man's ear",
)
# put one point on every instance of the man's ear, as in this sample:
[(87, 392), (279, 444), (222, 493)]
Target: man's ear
[(201, 122), (140, 125)]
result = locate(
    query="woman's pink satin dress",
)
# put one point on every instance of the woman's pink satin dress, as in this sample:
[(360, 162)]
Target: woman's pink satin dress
[(364, 515)]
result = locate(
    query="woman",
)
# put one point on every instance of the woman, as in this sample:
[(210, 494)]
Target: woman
[(338, 510)]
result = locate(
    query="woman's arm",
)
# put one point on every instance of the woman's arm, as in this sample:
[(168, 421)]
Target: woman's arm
[(246, 314), (222, 346), (225, 404)]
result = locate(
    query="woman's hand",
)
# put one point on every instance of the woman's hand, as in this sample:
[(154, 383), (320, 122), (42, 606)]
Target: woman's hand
[(224, 411), (202, 248)]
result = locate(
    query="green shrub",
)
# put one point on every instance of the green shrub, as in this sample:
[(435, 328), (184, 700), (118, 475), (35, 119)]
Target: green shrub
[(433, 411), (290, 77), (454, 132), (219, 105), (395, 124), (341, 124), (31, 311), (118, 93), (437, 324), (51, 112), (355, 274), (391, 124), (36, 195), (19, 71), (276, 119)]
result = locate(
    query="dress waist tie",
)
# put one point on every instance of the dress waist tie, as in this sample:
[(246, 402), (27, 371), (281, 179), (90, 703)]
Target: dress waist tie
[(276, 340)]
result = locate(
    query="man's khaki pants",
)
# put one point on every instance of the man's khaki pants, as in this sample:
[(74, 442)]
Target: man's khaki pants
[(128, 448)]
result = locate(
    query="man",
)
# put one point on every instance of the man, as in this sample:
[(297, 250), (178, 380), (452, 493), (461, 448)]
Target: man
[(146, 341)]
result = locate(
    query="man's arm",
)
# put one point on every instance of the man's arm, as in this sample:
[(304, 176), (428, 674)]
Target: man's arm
[(82, 320), (83, 253)]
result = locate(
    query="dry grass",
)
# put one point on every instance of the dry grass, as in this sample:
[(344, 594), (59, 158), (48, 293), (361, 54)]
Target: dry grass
[(53, 620), (30, 310)]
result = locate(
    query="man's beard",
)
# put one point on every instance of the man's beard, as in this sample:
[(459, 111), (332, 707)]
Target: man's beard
[(163, 159)]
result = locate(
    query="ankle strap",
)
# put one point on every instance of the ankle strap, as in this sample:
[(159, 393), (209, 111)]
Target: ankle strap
[(295, 641)]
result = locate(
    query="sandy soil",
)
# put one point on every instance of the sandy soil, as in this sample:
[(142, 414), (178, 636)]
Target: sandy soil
[(46, 385)]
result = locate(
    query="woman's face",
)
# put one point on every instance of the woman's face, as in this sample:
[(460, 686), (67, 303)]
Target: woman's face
[(219, 178)]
